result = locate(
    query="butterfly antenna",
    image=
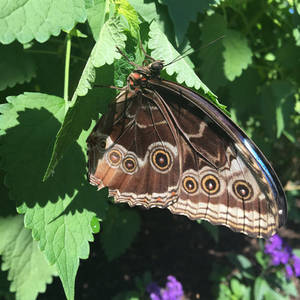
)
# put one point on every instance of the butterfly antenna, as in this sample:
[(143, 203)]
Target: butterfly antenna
[(145, 53), (127, 58), (180, 56)]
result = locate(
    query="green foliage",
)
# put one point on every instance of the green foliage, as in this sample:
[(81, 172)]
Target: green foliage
[(19, 66), (27, 267), (59, 47), (119, 231), (252, 280), (27, 20)]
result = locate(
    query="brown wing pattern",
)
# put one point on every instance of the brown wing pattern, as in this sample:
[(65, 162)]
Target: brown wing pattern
[(219, 183), (139, 159), (160, 146)]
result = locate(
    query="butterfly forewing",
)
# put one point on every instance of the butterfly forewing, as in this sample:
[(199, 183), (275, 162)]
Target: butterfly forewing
[(163, 145)]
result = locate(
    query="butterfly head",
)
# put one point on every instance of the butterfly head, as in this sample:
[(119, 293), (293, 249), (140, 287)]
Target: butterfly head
[(138, 79), (156, 67)]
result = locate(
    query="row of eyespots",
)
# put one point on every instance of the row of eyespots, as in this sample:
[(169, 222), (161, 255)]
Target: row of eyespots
[(211, 185), (161, 160), (129, 163)]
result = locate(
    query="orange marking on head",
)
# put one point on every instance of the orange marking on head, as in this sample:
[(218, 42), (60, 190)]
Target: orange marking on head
[(173, 194), (143, 78), (158, 199), (136, 76)]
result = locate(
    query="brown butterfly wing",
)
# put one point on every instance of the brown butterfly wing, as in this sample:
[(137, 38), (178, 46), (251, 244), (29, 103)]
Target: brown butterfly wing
[(139, 161), (221, 182), (168, 147)]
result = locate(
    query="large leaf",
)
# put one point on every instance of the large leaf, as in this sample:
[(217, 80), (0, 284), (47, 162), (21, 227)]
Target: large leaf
[(81, 113), (162, 49), (276, 105), (19, 67), (28, 270), (146, 9), (25, 20), (119, 230), (182, 15), (212, 61), (237, 54), (59, 211), (96, 16)]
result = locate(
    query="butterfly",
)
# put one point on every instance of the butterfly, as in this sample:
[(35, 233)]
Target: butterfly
[(163, 145)]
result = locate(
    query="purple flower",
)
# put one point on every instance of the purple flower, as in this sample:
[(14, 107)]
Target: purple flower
[(296, 260), (289, 271), (172, 291), (281, 253), (154, 290)]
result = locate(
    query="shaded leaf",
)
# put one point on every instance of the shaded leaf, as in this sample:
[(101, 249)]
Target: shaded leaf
[(96, 16), (261, 288), (125, 9), (212, 61), (59, 211), (19, 66), (28, 20), (162, 49), (28, 270), (237, 54), (182, 15), (147, 10), (119, 230)]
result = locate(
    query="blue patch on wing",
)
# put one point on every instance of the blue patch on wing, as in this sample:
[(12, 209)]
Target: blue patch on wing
[(262, 165)]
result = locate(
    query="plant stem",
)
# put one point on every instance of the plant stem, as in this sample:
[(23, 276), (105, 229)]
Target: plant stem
[(67, 69)]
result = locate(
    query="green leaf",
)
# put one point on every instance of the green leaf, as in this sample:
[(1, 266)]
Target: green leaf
[(95, 224), (18, 65), (26, 20), (59, 211), (212, 61), (104, 52), (212, 229), (27, 267), (272, 295), (7, 206), (224, 292), (261, 288), (79, 117), (240, 261), (96, 16), (243, 94), (119, 230), (182, 15), (125, 9), (237, 287), (277, 98), (162, 49), (111, 35), (290, 289), (63, 234), (237, 54), (147, 10), (262, 259), (281, 90)]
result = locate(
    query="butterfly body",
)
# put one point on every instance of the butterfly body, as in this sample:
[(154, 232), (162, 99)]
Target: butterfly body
[(163, 145)]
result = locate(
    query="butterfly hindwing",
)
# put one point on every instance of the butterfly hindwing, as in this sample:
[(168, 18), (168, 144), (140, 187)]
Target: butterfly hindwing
[(140, 162)]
